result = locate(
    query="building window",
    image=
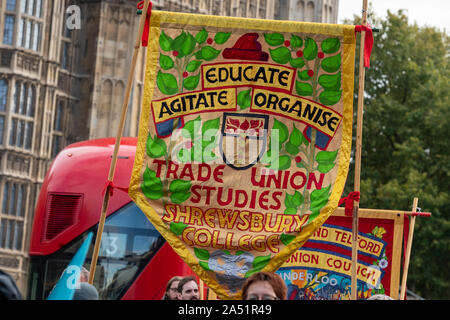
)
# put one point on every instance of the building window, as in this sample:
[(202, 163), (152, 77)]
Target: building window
[(11, 234), (58, 126), (3, 102), (14, 199), (65, 55), (8, 30), (11, 5), (3, 94), (13, 214), (22, 120), (30, 25), (36, 36), (59, 117), (2, 128)]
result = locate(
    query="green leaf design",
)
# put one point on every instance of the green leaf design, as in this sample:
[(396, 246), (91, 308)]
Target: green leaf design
[(207, 53), (331, 45), (151, 186), (204, 265), (332, 64), (326, 157), (291, 149), (303, 89), (286, 238), (167, 83), (201, 36), (296, 137), (212, 124), (201, 254), (193, 65), (325, 168), (191, 127), (178, 42), (330, 81), (222, 37), (188, 45), (319, 195), (290, 211), (283, 132), (319, 199), (250, 272), (244, 99), (180, 197), (156, 147), (297, 62), (197, 154), (191, 82), (179, 185), (311, 49), (294, 200), (282, 163), (177, 227), (296, 42), (274, 39), (165, 62), (165, 42), (280, 55), (329, 97), (261, 261), (303, 75)]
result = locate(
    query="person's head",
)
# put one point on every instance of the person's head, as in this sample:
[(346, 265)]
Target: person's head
[(188, 289), (264, 286), (172, 288), (86, 291)]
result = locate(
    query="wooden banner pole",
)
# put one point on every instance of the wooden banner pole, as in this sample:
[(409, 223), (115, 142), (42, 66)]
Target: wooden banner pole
[(408, 250), (358, 148), (112, 167)]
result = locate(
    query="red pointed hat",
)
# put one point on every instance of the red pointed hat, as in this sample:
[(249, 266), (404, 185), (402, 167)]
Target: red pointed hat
[(246, 47)]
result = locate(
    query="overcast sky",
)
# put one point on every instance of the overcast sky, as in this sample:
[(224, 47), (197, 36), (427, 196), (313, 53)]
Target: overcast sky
[(434, 13)]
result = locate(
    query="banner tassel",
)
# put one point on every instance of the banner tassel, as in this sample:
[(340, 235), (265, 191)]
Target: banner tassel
[(349, 202), (146, 31), (368, 43)]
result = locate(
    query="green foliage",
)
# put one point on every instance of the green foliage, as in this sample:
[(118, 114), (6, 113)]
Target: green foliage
[(177, 54), (258, 264), (152, 186), (405, 141), (304, 55), (244, 99)]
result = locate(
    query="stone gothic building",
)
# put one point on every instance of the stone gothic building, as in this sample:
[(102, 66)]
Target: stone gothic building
[(60, 85)]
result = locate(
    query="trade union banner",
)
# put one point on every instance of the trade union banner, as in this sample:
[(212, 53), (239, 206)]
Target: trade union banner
[(244, 138), (321, 268)]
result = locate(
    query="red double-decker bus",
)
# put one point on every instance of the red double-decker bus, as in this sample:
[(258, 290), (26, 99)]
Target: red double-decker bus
[(135, 262)]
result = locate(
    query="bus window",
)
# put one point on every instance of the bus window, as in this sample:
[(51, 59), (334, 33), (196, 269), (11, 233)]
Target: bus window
[(129, 242)]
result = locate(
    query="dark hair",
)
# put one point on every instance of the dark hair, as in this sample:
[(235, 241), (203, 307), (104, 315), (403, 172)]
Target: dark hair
[(184, 281), (169, 284), (275, 281)]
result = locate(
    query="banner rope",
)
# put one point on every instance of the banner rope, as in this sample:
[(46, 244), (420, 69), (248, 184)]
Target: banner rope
[(109, 185)]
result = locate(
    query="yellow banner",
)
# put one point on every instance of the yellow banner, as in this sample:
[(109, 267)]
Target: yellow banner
[(244, 139)]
